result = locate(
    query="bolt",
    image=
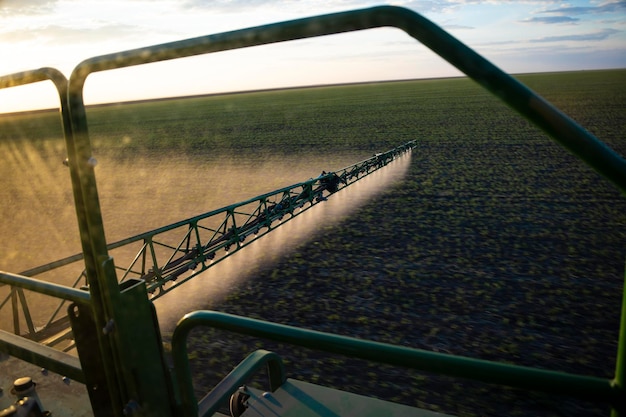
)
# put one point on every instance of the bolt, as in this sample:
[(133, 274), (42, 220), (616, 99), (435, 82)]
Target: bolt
[(131, 408), (109, 327)]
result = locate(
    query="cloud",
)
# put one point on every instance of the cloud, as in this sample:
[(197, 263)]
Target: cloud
[(457, 27), (56, 34), (11, 8), (595, 36), (427, 6), (564, 15), (610, 7), (222, 5), (551, 19), (296, 7)]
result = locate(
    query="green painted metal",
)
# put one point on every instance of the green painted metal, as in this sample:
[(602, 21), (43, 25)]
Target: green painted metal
[(91, 359), (583, 387), (16, 296), (44, 356), (21, 282), (43, 287), (209, 238), (251, 365), (210, 403), (203, 240), (146, 377), (35, 76), (620, 366), (102, 285), (301, 399), (106, 300)]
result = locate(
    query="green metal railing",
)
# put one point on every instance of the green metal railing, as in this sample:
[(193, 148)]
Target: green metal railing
[(117, 366), (239, 376), (33, 352), (44, 287), (558, 383)]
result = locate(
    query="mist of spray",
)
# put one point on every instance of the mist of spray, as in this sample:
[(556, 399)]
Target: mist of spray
[(207, 289)]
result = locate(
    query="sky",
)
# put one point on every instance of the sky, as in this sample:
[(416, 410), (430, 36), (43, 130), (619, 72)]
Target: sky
[(517, 36)]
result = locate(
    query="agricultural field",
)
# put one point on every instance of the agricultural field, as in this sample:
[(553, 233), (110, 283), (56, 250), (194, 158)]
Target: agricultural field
[(496, 244)]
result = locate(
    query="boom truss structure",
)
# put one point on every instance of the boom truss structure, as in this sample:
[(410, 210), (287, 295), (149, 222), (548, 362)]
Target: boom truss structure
[(171, 255)]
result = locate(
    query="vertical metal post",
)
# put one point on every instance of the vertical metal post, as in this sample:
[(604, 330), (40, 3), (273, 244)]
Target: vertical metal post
[(26, 310), (16, 316), (620, 367), (81, 164), (129, 342)]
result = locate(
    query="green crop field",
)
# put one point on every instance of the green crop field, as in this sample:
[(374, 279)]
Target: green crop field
[(498, 244)]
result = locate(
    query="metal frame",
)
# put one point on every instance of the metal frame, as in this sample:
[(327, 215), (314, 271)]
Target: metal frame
[(172, 255), (559, 383), (175, 253), (115, 354)]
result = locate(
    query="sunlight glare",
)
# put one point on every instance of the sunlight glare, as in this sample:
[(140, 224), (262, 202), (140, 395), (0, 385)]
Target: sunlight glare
[(37, 96)]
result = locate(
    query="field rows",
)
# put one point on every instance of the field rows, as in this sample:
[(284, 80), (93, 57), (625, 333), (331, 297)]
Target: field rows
[(498, 244)]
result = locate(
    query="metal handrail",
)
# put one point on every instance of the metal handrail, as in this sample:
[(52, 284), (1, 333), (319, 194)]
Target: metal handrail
[(31, 351), (49, 358), (553, 382), (46, 288), (35, 76), (251, 365)]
